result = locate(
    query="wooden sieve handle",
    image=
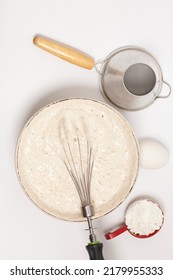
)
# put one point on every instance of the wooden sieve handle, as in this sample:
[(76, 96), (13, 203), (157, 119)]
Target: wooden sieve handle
[(67, 53)]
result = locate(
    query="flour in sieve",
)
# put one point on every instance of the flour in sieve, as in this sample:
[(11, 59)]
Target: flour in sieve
[(143, 217)]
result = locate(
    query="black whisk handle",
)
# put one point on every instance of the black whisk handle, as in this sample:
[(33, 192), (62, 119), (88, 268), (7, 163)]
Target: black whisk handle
[(95, 251)]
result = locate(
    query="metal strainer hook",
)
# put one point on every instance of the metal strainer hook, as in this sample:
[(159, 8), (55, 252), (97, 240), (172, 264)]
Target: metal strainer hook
[(169, 92)]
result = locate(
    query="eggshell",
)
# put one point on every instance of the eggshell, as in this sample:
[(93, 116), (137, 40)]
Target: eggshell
[(153, 154)]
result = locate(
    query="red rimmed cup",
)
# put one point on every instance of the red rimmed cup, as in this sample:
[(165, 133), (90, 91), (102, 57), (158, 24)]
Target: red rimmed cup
[(125, 227)]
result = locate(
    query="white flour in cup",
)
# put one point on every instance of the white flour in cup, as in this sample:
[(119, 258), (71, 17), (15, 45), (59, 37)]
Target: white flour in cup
[(143, 217)]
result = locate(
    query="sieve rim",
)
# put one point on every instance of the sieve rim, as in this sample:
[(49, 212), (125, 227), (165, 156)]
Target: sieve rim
[(104, 65)]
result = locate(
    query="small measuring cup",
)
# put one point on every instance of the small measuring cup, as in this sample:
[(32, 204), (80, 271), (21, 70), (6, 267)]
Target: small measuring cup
[(141, 217)]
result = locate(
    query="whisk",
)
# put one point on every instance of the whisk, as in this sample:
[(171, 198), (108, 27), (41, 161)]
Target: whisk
[(80, 172)]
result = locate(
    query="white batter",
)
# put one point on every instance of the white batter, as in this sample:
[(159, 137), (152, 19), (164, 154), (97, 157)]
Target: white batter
[(42, 172)]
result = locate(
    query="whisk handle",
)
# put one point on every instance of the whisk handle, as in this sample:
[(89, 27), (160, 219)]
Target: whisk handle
[(95, 251)]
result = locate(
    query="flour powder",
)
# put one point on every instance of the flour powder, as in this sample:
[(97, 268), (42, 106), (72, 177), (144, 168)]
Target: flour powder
[(143, 217)]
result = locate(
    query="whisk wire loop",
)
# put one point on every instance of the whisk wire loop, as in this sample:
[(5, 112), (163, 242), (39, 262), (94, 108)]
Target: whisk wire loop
[(81, 169), (81, 172)]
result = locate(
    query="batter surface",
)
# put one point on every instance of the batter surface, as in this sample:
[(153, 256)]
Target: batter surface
[(40, 156)]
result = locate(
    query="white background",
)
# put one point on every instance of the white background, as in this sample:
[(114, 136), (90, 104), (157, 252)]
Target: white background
[(32, 78)]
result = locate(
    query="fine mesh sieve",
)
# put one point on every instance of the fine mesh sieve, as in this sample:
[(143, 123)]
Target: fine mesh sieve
[(130, 77)]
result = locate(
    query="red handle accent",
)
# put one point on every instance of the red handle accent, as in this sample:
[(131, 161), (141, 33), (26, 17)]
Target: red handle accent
[(116, 232)]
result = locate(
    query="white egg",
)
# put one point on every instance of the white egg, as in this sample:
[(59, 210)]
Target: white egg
[(153, 154)]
